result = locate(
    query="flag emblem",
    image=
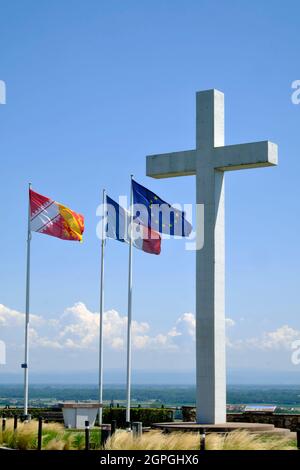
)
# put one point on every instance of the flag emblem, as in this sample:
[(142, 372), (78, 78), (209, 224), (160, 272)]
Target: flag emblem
[(52, 218)]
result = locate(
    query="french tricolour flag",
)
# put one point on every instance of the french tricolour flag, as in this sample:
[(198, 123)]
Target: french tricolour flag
[(118, 228)]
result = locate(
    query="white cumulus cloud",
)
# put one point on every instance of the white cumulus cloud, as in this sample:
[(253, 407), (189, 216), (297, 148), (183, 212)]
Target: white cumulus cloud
[(10, 317), (77, 328), (282, 337)]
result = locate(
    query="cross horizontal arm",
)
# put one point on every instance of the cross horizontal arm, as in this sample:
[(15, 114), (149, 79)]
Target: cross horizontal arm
[(238, 157), (168, 165)]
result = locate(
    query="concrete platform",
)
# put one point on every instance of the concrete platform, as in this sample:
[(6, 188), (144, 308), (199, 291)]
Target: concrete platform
[(257, 428)]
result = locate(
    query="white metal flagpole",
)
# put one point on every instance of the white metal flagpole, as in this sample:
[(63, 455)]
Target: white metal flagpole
[(25, 364), (101, 311), (128, 390)]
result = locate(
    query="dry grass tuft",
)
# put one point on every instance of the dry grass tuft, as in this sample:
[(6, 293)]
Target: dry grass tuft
[(153, 440), (243, 440), (59, 444), (236, 440), (56, 437)]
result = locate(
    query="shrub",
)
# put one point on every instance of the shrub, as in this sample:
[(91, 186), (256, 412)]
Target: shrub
[(146, 415)]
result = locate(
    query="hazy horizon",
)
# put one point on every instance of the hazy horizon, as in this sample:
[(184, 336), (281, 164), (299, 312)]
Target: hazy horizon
[(150, 377)]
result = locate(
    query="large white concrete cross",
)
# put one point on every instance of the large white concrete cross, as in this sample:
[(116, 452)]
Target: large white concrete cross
[(208, 162)]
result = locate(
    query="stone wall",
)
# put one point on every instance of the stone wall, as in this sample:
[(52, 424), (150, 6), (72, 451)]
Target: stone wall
[(287, 421)]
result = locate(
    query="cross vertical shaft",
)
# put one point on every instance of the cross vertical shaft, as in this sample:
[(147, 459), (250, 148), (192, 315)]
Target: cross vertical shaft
[(210, 264)]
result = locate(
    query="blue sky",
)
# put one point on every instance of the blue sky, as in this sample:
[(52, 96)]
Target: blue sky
[(92, 88)]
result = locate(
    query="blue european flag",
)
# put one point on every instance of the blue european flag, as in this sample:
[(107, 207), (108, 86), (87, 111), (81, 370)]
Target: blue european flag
[(157, 214)]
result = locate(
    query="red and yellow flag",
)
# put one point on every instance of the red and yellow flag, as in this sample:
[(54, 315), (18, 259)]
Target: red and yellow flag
[(50, 217)]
